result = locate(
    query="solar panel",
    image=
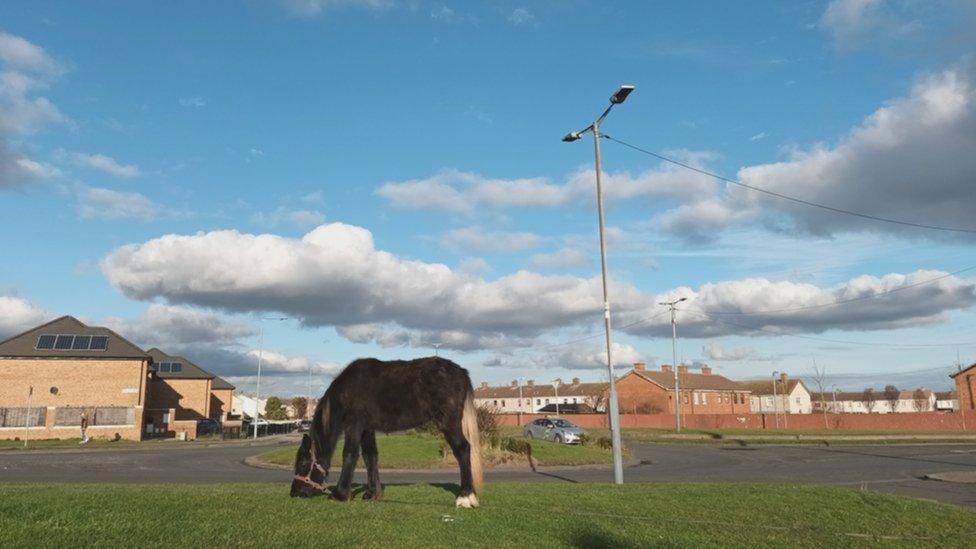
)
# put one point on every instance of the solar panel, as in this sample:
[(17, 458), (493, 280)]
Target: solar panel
[(165, 366), (177, 367), (99, 343), (81, 343), (63, 342), (46, 342)]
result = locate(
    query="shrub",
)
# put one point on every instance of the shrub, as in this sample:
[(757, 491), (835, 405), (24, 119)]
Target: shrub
[(487, 422), (585, 440), (604, 442)]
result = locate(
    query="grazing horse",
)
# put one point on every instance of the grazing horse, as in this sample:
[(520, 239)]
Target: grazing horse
[(373, 395)]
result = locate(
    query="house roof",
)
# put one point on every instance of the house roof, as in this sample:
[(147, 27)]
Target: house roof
[(221, 383), (544, 390), (859, 395), (188, 371), (966, 369), (25, 344), (764, 387), (945, 395), (708, 382)]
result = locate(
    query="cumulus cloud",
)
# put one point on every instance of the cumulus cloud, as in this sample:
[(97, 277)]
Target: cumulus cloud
[(521, 16), (592, 356), (99, 203), (479, 239), (717, 352), (18, 314), (334, 276), (465, 192), (909, 160), (25, 71), (167, 326), (313, 8), (849, 20), (105, 164)]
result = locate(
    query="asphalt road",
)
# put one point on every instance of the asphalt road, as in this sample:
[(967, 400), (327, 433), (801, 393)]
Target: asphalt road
[(884, 468)]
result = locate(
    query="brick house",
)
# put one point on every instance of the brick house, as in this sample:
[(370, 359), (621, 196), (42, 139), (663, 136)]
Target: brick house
[(646, 391), (180, 385), (221, 399), (74, 369), (576, 395), (966, 388)]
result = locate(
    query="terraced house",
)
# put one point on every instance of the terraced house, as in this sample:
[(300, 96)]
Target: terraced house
[(52, 374), (643, 391)]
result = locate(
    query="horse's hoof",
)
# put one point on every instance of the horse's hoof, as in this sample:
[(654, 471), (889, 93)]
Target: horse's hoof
[(372, 496), (336, 496), (464, 501), (473, 500)]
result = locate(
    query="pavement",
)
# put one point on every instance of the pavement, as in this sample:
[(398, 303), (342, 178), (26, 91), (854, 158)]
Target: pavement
[(897, 469)]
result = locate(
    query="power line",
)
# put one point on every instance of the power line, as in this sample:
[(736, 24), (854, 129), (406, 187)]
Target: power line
[(844, 301), (829, 340), (790, 198)]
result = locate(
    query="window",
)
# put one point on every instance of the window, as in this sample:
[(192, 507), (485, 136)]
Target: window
[(704, 399), (503, 404), (695, 395), (46, 342), (538, 402), (574, 400), (685, 398), (547, 401), (177, 367), (494, 403), (18, 417)]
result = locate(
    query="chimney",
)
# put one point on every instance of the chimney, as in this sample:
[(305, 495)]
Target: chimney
[(576, 381), (682, 368), (530, 383), (666, 368), (484, 384), (782, 377), (640, 366), (706, 370)]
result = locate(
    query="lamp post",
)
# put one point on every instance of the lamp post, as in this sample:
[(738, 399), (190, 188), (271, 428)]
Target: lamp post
[(775, 414), (257, 392), (834, 394), (555, 387), (674, 361), (618, 97), (437, 347)]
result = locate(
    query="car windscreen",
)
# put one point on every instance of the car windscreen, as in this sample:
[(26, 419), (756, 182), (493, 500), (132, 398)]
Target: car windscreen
[(563, 423)]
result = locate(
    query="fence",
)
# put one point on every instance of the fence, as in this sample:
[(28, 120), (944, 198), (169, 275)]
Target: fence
[(914, 421)]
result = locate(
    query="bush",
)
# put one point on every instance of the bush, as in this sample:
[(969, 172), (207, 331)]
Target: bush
[(585, 440), (487, 423), (604, 442), (516, 446), (429, 428)]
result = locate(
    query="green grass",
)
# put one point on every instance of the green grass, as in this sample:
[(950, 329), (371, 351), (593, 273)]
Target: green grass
[(420, 451), (522, 515), (100, 443)]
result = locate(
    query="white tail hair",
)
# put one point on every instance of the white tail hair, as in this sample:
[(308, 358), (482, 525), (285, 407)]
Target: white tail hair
[(469, 427)]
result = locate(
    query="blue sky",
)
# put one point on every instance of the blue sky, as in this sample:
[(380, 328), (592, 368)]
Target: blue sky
[(162, 164)]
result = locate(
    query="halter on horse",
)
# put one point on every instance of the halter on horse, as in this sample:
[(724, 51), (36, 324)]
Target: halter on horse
[(307, 477)]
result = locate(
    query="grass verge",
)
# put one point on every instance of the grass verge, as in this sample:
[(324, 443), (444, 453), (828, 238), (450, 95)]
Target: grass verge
[(420, 451), (536, 515)]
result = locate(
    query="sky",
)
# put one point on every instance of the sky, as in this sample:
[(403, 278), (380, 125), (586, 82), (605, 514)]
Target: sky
[(314, 181)]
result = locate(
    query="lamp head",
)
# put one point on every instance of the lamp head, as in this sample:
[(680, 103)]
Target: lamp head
[(621, 94), (571, 136)]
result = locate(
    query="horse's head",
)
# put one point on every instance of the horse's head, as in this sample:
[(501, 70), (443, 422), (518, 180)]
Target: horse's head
[(310, 476)]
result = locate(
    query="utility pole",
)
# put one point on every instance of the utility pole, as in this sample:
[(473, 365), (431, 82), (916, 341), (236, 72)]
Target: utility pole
[(674, 361), (555, 387), (618, 463), (775, 400), (257, 393)]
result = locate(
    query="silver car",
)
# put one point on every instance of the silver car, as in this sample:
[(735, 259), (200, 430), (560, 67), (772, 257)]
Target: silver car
[(557, 430)]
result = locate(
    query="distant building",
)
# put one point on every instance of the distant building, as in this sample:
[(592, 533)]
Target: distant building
[(946, 401), (966, 388), (783, 395), (642, 391), (917, 400), (244, 406), (532, 397)]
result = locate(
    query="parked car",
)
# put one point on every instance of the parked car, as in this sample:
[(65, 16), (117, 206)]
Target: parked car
[(304, 425), (207, 426), (557, 430)]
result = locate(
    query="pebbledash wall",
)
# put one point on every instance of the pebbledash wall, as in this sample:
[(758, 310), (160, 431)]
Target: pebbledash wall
[(914, 421), (116, 387)]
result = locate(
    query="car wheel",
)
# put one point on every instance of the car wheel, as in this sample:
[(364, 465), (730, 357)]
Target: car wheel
[(558, 439)]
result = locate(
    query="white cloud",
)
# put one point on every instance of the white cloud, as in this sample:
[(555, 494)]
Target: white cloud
[(562, 258), (849, 20), (715, 351), (521, 16), (303, 219), (334, 276), (277, 363), (474, 266), (758, 136), (312, 8), (464, 192), (99, 203), (105, 164), (18, 315), (443, 13), (479, 239), (20, 55), (193, 102), (590, 356), (166, 326)]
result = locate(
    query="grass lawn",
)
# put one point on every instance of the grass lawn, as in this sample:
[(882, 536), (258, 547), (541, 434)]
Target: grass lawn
[(101, 443), (523, 515), (419, 451)]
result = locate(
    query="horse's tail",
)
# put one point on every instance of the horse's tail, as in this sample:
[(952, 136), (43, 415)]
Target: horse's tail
[(469, 427), (320, 420)]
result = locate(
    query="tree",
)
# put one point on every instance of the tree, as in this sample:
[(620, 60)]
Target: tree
[(819, 375), (274, 410), (868, 398), (892, 395), (300, 404), (921, 401)]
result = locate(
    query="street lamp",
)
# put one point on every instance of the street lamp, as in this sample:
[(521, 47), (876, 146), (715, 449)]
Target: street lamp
[(436, 346), (775, 413), (257, 392), (674, 361), (618, 97), (555, 387)]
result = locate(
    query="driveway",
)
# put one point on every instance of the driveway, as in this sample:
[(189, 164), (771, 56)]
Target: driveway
[(895, 469)]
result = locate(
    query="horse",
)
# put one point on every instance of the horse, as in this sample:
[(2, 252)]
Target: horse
[(372, 395)]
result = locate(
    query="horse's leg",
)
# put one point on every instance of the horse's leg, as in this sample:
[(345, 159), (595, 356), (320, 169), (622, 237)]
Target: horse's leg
[(350, 455), (374, 489), (462, 453)]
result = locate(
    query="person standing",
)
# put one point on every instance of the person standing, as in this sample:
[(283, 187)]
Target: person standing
[(84, 427)]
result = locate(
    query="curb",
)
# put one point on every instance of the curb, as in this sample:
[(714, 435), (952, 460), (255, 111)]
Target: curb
[(257, 463)]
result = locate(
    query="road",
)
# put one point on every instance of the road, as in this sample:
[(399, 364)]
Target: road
[(893, 469)]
